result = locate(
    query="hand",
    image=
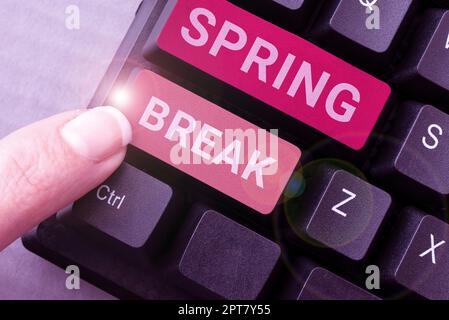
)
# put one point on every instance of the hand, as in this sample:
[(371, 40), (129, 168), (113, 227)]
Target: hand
[(50, 164)]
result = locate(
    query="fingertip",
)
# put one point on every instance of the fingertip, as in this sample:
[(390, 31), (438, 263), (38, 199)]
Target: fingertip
[(123, 123), (97, 133)]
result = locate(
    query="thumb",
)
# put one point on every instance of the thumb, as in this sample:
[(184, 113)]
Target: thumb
[(49, 164)]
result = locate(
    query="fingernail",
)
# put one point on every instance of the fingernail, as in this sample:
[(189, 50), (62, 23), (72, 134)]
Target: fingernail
[(98, 133)]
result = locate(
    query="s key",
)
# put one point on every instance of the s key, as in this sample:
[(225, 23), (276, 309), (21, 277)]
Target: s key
[(416, 153)]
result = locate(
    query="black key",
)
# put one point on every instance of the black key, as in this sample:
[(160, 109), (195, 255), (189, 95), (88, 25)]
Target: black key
[(227, 259), (293, 15), (324, 285), (418, 255), (127, 206), (290, 4), (364, 34), (423, 72), (312, 282), (416, 154), (341, 211)]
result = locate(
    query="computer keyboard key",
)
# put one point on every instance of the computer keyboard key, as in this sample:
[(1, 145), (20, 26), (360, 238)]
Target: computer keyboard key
[(127, 206), (415, 154), (417, 256), (324, 285), (423, 72), (228, 259), (340, 210), (276, 67), (367, 35), (309, 281), (208, 142), (293, 15), (290, 4)]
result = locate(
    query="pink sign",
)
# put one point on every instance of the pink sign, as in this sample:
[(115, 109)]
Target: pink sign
[(207, 142), (277, 67)]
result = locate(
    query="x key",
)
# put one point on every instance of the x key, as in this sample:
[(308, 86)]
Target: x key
[(432, 248), (418, 255)]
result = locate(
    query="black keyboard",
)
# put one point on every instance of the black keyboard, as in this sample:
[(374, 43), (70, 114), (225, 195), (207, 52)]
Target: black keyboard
[(356, 186)]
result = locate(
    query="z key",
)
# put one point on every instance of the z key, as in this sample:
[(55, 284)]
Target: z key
[(340, 211)]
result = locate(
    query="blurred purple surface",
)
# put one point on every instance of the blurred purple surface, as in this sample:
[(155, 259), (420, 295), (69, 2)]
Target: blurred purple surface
[(46, 68)]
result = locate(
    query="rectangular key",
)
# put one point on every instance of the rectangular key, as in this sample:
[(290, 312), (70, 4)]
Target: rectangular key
[(127, 206), (416, 153), (309, 281), (324, 285), (290, 4), (423, 72), (276, 67), (363, 33), (339, 210), (418, 257), (293, 15), (228, 259), (207, 142)]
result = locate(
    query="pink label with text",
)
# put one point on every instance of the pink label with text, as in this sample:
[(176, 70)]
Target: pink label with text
[(276, 67), (207, 142)]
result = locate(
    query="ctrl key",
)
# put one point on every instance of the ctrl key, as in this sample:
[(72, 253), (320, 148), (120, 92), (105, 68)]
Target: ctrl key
[(127, 206)]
